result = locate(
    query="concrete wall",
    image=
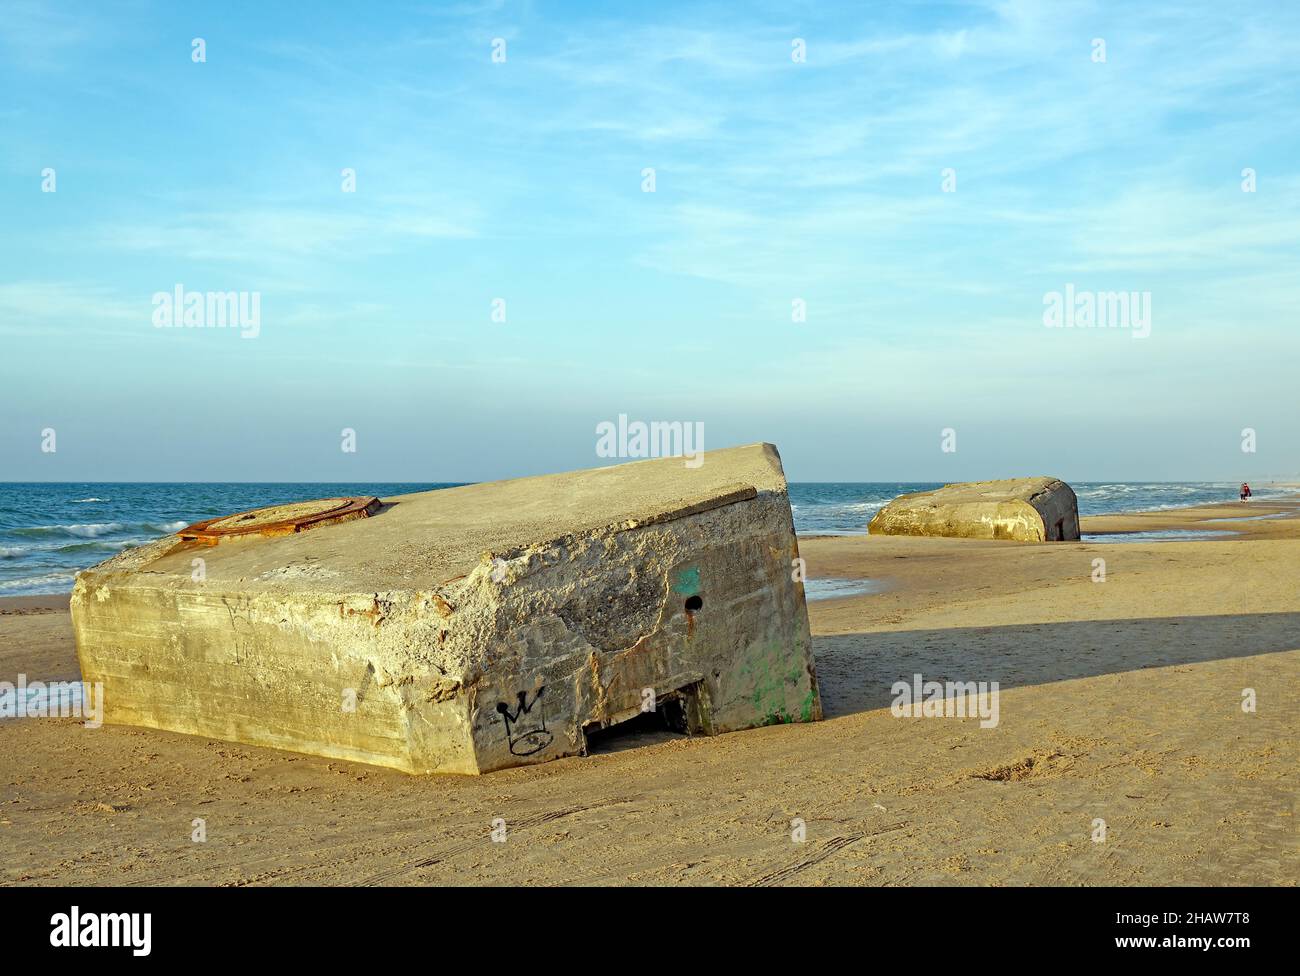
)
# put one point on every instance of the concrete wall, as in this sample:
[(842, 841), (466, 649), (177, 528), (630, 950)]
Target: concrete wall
[(591, 626), (310, 672)]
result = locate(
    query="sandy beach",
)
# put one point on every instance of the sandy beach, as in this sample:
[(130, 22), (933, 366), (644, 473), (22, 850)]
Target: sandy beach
[(1120, 701)]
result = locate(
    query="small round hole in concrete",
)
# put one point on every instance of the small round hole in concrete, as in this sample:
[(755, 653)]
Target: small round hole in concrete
[(694, 603)]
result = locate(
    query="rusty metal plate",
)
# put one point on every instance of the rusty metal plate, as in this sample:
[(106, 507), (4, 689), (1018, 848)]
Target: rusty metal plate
[(280, 520)]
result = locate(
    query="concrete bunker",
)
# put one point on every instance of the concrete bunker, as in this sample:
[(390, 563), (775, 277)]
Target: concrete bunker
[(467, 629), (1020, 509)]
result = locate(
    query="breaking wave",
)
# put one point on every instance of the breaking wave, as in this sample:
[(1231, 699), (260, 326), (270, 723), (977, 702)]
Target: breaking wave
[(90, 530), (167, 527), (45, 583)]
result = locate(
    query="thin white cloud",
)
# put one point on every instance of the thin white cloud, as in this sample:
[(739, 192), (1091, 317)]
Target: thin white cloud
[(270, 235)]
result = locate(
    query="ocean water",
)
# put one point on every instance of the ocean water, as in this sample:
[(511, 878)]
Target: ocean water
[(833, 588), (1159, 535), (49, 531)]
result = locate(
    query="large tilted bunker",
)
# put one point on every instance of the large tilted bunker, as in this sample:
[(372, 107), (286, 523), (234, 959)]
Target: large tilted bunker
[(468, 629), (1022, 509)]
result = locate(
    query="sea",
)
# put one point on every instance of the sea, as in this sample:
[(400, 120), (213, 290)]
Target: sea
[(49, 531)]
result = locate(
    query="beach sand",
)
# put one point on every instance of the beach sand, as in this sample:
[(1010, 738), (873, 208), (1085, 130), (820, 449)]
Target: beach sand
[(1120, 701)]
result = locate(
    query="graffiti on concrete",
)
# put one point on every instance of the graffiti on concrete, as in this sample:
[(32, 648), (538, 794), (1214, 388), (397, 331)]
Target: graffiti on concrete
[(525, 732)]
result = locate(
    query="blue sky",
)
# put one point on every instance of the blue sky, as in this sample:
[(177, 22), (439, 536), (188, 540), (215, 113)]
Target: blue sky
[(774, 181)]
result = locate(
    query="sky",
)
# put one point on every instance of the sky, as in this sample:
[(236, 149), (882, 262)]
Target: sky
[(648, 195)]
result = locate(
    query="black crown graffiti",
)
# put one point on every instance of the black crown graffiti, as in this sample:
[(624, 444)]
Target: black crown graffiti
[(530, 735)]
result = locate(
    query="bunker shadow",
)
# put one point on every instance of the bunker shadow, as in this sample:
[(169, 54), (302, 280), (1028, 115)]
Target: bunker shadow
[(856, 671)]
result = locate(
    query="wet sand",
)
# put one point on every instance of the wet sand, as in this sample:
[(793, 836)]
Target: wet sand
[(1120, 701)]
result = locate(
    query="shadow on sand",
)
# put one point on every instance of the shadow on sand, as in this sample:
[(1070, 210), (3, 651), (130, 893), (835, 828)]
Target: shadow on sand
[(856, 671)]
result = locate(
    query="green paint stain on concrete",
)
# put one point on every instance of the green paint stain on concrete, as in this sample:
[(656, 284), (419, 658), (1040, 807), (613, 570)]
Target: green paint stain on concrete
[(806, 709), (775, 682), (688, 582)]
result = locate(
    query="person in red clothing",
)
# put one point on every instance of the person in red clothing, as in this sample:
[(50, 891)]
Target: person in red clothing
[(1245, 491)]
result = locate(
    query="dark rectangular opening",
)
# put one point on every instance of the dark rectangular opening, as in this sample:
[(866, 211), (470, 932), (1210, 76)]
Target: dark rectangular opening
[(676, 714)]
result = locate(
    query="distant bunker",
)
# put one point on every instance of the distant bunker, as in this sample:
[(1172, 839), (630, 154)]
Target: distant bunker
[(1019, 509), (467, 629)]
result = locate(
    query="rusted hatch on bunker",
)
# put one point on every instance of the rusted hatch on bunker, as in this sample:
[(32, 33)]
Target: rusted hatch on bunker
[(281, 520)]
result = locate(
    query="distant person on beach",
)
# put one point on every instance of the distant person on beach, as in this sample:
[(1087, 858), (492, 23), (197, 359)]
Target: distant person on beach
[(1245, 491)]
